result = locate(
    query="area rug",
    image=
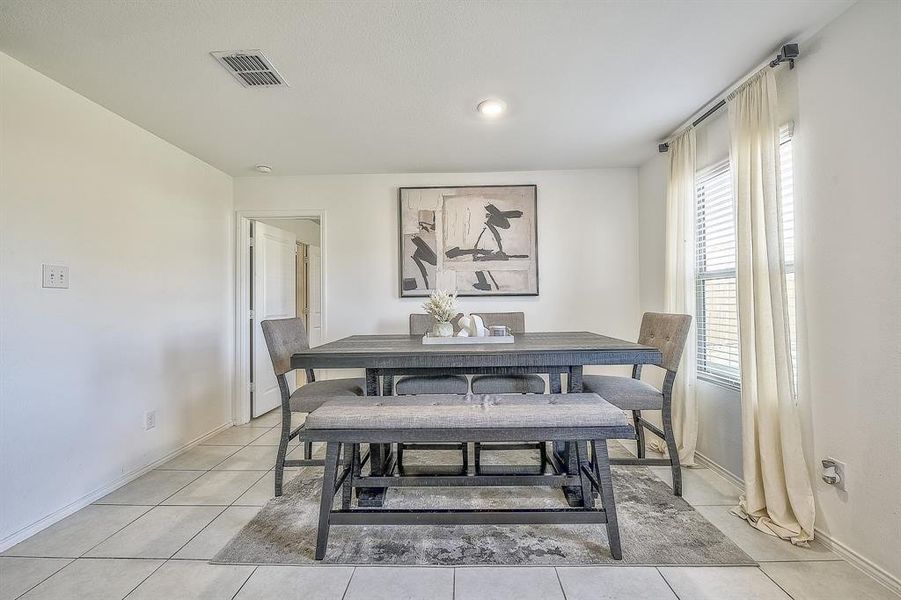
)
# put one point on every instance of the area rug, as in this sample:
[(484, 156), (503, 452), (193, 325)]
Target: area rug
[(656, 528)]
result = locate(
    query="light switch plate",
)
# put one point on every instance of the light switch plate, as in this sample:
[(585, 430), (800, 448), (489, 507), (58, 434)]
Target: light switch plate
[(55, 276)]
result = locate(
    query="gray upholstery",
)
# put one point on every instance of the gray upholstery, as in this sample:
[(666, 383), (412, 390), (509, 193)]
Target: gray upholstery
[(666, 332), (470, 411), (420, 324), (284, 337), (507, 384), (624, 392), (311, 396), (515, 321), (431, 384)]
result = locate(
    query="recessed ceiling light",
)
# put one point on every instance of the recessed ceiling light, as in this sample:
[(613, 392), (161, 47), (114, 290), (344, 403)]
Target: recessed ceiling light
[(264, 168), (491, 107)]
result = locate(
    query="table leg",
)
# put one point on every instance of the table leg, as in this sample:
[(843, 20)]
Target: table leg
[(570, 456), (379, 454)]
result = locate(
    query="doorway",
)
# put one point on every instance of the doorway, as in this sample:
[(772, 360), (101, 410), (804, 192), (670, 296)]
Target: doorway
[(280, 275)]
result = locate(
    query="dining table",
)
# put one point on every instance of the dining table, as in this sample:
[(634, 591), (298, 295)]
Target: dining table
[(555, 354)]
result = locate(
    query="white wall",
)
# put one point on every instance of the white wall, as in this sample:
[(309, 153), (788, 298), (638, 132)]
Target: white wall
[(844, 99), (587, 234), (848, 159), (145, 325)]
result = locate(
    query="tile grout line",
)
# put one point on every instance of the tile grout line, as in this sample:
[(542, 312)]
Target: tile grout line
[(349, 579), (666, 581), (202, 529), (776, 583), (560, 582), (149, 508), (71, 560), (140, 583), (241, 587)]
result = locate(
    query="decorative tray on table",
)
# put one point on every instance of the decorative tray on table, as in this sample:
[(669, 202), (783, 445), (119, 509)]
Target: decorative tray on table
[(485, 339)]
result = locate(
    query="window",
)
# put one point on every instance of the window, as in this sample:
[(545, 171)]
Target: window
[(717, 325), (788, 238)]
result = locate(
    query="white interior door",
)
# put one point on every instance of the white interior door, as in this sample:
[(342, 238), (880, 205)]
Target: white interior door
[(314, 254), (274, 288)]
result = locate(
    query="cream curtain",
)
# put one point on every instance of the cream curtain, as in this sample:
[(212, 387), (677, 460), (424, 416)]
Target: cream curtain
[(778, 498), (679, 288)]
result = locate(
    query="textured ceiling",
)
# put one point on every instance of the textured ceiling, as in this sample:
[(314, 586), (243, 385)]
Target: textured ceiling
[(392, 86)]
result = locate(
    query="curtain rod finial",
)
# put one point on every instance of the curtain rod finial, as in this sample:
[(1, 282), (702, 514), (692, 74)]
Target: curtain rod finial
[(662, 148)]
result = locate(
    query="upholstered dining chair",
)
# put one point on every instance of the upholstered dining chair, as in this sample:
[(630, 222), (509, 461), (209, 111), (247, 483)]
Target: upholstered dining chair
[(515, 322), (667, 333), (285, 337), (410, 385)]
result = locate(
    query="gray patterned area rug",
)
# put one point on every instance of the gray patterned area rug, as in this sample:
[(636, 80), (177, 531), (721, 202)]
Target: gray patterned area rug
[(656, 529)]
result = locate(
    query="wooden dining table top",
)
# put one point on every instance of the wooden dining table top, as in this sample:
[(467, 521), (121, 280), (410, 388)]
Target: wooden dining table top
[(528, 349)]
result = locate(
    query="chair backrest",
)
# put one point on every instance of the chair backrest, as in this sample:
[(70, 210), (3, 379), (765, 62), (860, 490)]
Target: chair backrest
[(421, 324), (668, 333), (284, 337), (515, 321)]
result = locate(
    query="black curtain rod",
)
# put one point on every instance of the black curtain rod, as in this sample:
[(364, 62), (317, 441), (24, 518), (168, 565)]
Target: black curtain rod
[(789, 54)]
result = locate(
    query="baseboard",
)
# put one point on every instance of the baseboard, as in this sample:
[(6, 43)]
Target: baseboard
[(720, 470), (853, 557), (861, 562), (76, 505)]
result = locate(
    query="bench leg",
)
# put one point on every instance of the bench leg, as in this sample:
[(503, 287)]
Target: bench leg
[(329, 477), (602, 473)]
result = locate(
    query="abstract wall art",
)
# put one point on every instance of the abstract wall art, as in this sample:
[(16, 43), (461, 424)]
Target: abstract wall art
[(475, 241)]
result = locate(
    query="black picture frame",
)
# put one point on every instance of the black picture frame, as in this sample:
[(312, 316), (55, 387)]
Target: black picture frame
[(421, 293)]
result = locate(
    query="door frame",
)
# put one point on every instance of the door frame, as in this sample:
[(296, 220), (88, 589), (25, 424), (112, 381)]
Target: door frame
[(241, 378)]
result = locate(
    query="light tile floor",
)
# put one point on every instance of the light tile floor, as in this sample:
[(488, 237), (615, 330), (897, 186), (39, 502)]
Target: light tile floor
[(153, 537)]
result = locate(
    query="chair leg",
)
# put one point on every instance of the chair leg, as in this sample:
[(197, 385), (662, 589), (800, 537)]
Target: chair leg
[(329, 477), (400, 457), (282, 452), (639, 432), (602, 473), (667, 414), (477, 456), (465, 452), (307, 450), (542, 455)]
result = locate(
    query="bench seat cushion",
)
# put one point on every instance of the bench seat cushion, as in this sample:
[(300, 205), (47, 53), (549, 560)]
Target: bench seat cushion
[(624, 392), (311, 396), (473, 411)]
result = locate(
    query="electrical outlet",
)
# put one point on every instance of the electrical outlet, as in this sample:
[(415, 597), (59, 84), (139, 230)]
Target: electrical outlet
[(55, 276), (841, 472), (149, 420)]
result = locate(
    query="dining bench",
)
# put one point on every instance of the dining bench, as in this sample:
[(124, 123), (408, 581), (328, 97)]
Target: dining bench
[(585, 421)]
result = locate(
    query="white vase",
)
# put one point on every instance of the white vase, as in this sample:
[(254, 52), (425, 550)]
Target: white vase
[(442, 329)]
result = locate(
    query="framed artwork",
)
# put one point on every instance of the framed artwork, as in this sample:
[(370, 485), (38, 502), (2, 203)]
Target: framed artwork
[(476, 241)]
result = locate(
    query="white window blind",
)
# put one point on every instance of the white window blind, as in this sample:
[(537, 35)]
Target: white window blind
[(717, 325), (786, 176)]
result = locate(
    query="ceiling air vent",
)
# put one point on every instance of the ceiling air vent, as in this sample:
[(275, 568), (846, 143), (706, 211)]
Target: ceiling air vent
[(250, 68)]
